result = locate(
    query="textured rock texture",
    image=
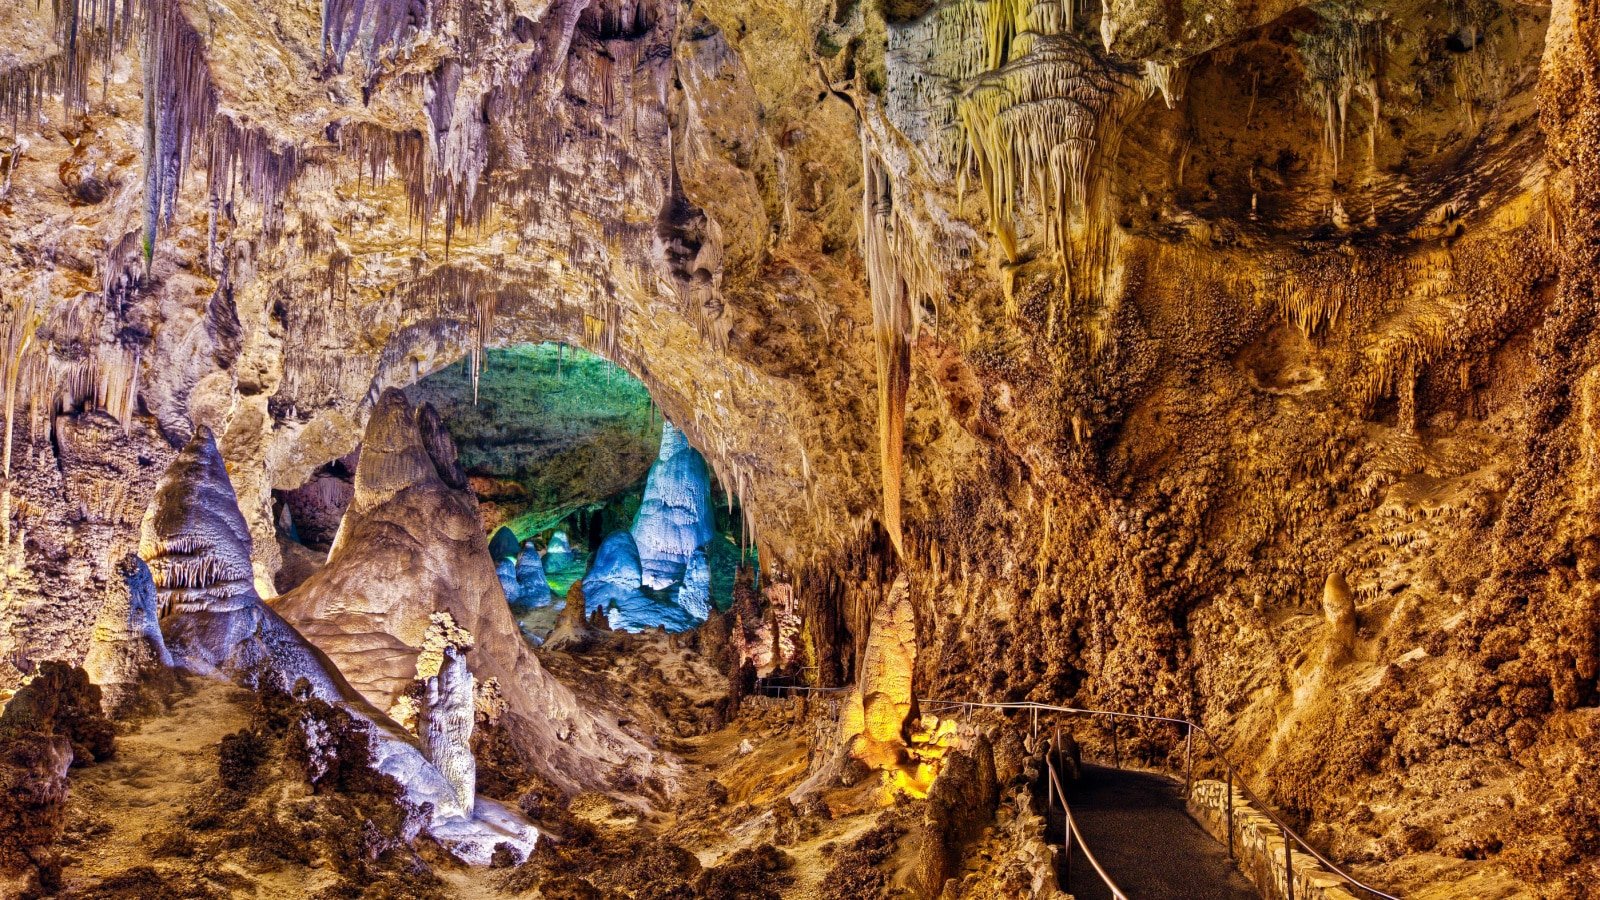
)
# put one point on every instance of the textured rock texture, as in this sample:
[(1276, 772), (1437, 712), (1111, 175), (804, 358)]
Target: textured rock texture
[(1109, 330)]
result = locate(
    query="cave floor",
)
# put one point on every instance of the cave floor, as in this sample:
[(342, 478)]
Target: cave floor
[(131, 811)]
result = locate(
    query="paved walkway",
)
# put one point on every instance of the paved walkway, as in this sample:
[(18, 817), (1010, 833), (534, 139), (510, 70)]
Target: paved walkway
[(1137, 826)]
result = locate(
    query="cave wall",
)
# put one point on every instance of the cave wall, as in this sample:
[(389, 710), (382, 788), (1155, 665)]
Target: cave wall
[(1153, 317)]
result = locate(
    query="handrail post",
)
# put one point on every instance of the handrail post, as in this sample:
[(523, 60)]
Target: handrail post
[(1188, 762), (1288, 867), (1036, 726), (1066, 849), (1049, 784), (1116, 755)]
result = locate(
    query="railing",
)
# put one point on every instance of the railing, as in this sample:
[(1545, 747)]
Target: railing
[(1290, 838), (1053, 787)]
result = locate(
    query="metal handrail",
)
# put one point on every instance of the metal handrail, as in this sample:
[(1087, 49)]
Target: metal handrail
[(1234, 779), (1076, 833)]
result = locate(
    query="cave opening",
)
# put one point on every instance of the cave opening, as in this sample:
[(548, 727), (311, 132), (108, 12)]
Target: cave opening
[(578, 478)]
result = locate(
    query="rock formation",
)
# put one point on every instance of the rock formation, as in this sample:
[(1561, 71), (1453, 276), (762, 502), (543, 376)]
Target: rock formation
[(197, 547), (533, 591), (694, 596), (875, 715), (1108, 329), (411, 546), (127, 639), (215, 624), (675, 518), (446, 714), (1339, 608), (572, 633)]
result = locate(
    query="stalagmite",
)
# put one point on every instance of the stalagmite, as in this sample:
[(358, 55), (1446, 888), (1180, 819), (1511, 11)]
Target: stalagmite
[(1339, 609), (674, 518), (127, 636), (197, 546), (695, 594), (875, 716), (572, 633), (446, 715), (411, 545), (533, 590)]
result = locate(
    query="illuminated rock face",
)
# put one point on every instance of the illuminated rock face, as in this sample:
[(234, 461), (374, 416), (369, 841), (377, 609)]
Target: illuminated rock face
[(446, 717), (614, 577), (675, 518), (876, 715), (695, 594), (614, 586), (197, 548), (506, 571)]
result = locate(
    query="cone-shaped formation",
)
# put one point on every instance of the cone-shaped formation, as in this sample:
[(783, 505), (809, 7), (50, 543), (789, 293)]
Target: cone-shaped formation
[(127, 635), (675, 518), (506, 571), (572, 633), (197, 547), (876, 715), (533, 591), (503, 544), (411, 546), (614, 579)]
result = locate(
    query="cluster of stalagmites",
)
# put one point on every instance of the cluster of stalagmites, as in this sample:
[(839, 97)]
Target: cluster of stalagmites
[(197, 545), (657, 574)]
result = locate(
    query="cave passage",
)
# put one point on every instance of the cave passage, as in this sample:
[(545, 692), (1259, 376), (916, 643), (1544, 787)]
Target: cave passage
[(579, 478)]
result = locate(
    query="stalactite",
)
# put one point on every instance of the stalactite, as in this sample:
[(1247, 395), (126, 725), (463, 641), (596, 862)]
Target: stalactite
[(1165, 79), (1046, 121), (21, 325), (181, 119), (1341, 60), (891, 329), (376, 24)]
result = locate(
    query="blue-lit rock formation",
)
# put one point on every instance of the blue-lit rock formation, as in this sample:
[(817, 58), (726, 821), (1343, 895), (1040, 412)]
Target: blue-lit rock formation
[(503, 544), (675, 518), (506, 570), (614, 579), (533, 591), (196, 546), (558, 553), (694, 597)]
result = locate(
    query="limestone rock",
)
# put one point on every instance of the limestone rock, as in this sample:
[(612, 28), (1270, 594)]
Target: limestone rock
[(127, 637), (675, 517), (448, 707), (875, 716), (1339, 608), (194, 539), (533, 590), (572, 633), (410, 546), (695, 593)]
